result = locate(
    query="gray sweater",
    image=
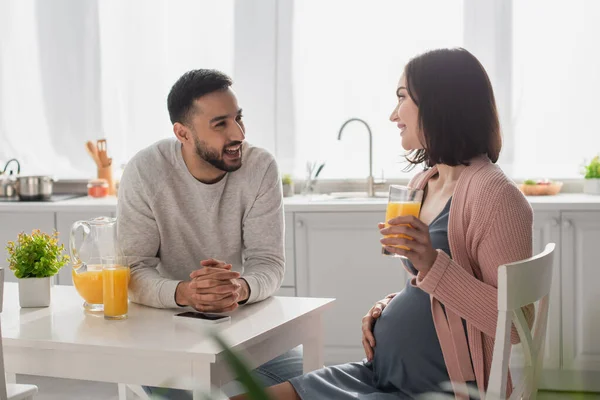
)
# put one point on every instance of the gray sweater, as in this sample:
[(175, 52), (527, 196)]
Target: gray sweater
[(168, 222)]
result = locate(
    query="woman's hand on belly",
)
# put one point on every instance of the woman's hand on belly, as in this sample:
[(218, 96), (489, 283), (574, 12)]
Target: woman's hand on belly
[(368, 321)]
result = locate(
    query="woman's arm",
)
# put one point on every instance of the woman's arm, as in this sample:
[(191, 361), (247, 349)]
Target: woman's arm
[(507, 238)]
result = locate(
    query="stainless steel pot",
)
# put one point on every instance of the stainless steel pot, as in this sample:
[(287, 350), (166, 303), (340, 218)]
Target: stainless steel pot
[(8, 181), (32, 188), (8, 187)]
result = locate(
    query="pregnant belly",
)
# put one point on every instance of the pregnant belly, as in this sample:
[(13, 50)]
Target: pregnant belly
[(407, 350), (406, 318)]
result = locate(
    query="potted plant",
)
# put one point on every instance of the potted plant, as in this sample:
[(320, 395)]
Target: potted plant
[(288, 185), (35, 259), (591, 183)]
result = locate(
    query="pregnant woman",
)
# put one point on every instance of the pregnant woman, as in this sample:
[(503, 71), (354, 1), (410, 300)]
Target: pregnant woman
[(473, 219)]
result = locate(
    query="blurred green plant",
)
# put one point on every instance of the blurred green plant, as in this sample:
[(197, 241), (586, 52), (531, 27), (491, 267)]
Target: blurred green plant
[(592, 170), (36, 256), (286, 179), (240, 369)]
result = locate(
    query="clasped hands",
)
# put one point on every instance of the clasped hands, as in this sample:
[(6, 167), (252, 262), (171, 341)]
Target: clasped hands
[(213, 288)]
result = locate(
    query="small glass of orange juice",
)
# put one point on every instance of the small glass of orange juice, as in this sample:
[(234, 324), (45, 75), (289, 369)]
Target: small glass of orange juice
[(402, 201), (115, 283)]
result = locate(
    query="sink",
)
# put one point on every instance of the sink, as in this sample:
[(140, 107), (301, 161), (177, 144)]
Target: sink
[(351, 197), (358, 195)]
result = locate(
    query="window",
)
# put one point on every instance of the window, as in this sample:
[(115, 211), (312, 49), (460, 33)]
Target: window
[(141, 61), (347, 59), (74, 71), (77, 71), (555, 87)]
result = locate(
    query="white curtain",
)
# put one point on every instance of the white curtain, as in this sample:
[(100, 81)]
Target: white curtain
[(72, 71), (45, 93)]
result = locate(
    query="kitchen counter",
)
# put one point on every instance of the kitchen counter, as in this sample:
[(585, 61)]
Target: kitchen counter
[(106, 204), (315, 203)]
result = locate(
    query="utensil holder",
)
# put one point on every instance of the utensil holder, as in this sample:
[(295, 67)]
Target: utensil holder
[(106, 173)]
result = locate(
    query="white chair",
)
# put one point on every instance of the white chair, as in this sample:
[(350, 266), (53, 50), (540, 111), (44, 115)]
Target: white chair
[(519, 284), (11, 391)]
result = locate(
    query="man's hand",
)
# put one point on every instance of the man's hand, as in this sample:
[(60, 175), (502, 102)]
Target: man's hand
[(368, 340), (244, 288), (213, 288)]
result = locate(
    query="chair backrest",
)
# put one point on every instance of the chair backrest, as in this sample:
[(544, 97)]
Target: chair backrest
[(3, 393), (520, 284)]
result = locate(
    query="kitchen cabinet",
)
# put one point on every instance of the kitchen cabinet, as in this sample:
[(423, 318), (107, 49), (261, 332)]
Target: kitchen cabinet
[(286, 292), (12, 223), (64, 222), (580, 291), (546, 229), (338, 255)]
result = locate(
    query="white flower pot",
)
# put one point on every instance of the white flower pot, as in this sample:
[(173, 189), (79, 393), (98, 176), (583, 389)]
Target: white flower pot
[(288, 190), (34, 292), (591, 186)]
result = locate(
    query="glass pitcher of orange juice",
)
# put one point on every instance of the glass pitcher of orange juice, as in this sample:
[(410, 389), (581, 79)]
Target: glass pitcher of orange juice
[(99, 243)]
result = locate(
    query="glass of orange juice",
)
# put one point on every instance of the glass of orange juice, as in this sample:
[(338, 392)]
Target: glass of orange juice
[(402, 201), (115, 283)]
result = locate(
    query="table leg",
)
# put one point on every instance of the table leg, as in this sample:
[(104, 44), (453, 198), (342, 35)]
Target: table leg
[(122, 391), (312, 348), (201, 376)]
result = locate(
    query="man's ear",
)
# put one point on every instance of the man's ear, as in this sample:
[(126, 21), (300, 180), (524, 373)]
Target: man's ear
[(182, 132)]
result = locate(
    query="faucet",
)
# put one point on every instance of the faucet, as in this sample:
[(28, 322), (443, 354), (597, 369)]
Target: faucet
[(370, 180)]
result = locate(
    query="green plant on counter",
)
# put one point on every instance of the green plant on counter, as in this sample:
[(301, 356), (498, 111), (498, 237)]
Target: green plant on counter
[(592, 170), (286, 179), (36, 256)]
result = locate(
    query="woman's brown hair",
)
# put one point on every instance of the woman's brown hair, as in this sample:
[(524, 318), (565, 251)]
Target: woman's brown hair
[(457, 108)]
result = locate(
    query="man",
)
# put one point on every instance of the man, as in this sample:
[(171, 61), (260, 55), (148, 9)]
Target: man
[(186, 204)]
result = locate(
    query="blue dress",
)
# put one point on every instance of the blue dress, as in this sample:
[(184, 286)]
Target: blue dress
[(408, 359)]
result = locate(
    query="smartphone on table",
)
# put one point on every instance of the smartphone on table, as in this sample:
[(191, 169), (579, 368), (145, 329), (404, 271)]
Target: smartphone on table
[(202, 318)]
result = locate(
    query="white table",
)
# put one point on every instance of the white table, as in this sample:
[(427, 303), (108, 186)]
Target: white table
[(149, 348)]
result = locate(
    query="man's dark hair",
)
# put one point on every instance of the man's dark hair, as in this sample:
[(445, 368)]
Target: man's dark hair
[(191, 86), (457, 109)]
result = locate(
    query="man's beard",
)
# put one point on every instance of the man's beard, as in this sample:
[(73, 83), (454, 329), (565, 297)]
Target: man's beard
[(214, 158)]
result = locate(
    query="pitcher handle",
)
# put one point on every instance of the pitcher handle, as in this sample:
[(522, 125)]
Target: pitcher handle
[(77, 263)]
